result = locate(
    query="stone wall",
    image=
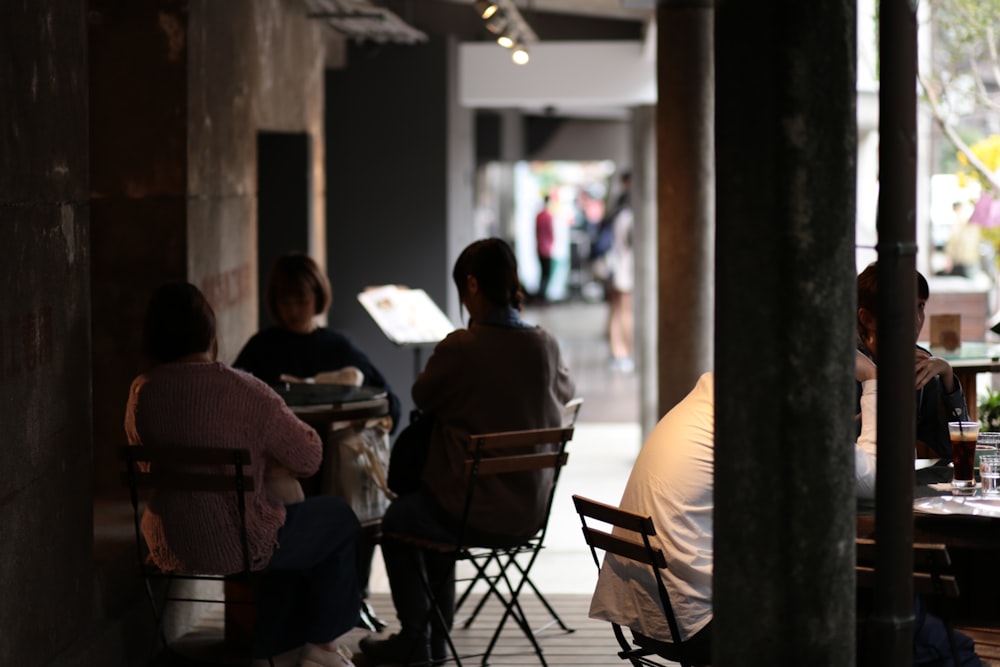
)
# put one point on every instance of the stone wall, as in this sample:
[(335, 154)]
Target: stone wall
[(45, 570), (179, 92)]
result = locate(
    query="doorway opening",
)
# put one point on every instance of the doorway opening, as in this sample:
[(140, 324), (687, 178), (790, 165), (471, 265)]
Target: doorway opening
[(284, 193)]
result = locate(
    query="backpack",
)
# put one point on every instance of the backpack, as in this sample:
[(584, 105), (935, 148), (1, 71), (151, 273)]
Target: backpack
[(603, 239)]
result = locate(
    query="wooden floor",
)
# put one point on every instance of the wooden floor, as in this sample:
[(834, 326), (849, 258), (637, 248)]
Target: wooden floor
[(592, 642)]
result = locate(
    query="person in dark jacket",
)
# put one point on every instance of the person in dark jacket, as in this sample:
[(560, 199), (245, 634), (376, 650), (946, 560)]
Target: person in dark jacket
[(298, 348), (938, 392)]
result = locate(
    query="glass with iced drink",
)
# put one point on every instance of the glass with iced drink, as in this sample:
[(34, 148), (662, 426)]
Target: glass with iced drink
[(963, 452)]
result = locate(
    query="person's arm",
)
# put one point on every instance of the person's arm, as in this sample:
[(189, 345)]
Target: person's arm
[(437, 384), (348, 354), (866, 446), (563, 384), (287, 439), (928, 367)]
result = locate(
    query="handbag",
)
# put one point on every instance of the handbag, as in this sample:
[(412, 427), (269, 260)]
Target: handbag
[(409, 453), (361, 452)]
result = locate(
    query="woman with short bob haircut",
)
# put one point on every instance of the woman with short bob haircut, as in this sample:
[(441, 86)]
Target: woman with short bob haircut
[(309, 593), (296, 346)]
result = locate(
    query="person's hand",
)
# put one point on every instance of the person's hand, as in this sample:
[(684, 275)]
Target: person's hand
[(864, 368), (928, 366)]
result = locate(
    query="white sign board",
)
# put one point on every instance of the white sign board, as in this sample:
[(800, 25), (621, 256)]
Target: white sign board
[(406, 316)]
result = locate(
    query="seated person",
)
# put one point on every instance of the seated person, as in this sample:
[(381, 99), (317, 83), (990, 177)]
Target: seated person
[(499, 374), (673, 481), (305, 551), (297, 348), (939, 393), (930, 635)]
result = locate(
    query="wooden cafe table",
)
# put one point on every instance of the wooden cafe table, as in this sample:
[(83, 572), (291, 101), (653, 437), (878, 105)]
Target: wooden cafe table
[(320, 405), (969, 526)]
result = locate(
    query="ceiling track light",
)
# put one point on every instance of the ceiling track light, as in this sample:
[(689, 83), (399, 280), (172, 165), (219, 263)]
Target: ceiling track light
[(503, 19), (520, 55), (486, 8)]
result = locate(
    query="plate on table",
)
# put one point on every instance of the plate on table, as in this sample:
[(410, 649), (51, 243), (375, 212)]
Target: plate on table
[(960, 505), (297, 394), (920, 464)]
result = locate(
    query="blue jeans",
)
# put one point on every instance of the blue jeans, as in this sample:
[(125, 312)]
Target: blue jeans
[(309, 591)]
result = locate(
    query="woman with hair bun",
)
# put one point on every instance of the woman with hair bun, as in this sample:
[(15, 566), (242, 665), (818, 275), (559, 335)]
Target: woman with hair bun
[(498, 374)]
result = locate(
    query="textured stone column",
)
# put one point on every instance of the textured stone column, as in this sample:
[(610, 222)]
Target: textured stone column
[(685, 199), (784, 504), (45, 327), (644, 193)]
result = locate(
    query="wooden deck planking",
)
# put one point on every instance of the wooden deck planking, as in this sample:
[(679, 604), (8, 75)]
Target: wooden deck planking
[(592, 642)]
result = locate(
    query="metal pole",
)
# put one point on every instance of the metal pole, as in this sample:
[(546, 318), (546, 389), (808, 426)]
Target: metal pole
[(891, 628)]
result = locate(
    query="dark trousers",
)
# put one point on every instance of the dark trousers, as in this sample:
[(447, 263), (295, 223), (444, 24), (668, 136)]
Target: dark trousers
[(309, 591), (405, 564), (698, 646), (543, 283)]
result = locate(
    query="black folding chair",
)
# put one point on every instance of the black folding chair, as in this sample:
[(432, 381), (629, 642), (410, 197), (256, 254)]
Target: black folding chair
[(638, 549), (570, 413), (932, 578), (512, 452), (189, 469)]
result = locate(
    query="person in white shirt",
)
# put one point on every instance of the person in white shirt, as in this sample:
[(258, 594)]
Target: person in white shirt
[(672, 481)]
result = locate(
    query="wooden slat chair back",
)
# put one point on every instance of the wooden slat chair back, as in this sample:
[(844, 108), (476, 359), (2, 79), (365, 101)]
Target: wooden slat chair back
[(192, 469), (636, 547), (931, 569), (932, 575), (571, 411), (492, 454)]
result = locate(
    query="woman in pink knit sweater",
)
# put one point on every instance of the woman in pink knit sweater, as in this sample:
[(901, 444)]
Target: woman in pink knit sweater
[(309, 590)]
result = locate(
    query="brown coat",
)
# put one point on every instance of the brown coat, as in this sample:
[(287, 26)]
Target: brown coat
[(487, 379)]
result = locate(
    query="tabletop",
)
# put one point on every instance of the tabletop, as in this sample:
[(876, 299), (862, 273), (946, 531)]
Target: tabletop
[(323, 404)]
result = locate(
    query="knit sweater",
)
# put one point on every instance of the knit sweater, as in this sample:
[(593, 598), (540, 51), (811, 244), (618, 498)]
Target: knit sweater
[(210, 404), (488, 379)]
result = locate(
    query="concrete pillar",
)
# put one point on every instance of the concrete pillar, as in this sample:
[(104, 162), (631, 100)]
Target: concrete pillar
[(784, 348), (511, 150), (644, 192), (46, 561), (139, 141), (685, 201)]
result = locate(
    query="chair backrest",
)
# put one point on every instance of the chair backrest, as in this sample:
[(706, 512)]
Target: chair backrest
[(176, 468), (637, 548), (572, 410), (931, 568), (513, 452)]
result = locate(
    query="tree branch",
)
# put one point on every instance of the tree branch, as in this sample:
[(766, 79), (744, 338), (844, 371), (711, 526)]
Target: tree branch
[(989, 178)]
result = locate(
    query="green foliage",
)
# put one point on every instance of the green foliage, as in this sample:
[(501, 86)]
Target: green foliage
[(989, 411)]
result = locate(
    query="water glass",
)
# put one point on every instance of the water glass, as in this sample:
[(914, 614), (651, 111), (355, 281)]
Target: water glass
[(989, 474)]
